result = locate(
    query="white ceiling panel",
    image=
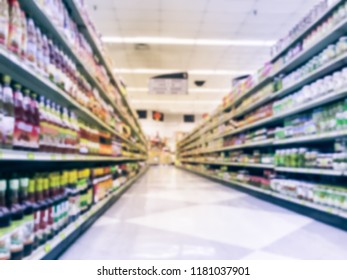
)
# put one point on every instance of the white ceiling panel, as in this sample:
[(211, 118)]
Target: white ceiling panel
[(184, 5), (194, 19), (146, 5)]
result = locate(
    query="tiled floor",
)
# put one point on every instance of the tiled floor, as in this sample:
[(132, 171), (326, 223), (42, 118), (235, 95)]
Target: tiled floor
[(172, 214)]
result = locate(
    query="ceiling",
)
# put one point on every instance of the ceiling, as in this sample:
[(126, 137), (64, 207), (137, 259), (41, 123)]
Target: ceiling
[(264, 20)]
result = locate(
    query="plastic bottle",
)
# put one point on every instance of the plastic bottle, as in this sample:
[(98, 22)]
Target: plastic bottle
[(41, 218), (17, 215), (35, 121), (8, 119), (43, 125), (20, 134), (15, 28), (49, 231), (28, 225), (1, 112), (39, 51), (45, 56), (36, 213), (31, 50), (24, 38), (5, 224), (4, 21)]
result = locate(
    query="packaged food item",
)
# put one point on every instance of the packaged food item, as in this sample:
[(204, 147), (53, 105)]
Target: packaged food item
[(17, 215), (28, 223), (31, 51), (8, 114), (24, 38), (4, 21), (15, 27), (35, 212), (5, 224)]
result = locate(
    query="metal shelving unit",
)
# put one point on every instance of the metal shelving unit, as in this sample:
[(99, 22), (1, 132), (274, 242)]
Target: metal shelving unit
[(330, 37), (55, 247), (193, 149), (85, 29), (33, 162), (43, 20), (330, 215), (12, 155)]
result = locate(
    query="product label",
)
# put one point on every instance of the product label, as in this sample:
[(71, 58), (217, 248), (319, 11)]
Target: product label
[(5, 243), (17, 236), (22, 134), (3, 29), (7, 129), (28, 229)]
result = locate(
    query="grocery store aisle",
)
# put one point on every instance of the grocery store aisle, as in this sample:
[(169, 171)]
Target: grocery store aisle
[(172, 214)]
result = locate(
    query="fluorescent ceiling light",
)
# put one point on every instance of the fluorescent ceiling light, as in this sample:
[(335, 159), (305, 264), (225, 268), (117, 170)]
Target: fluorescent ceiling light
[(187, 41), (221, 90), (190, 102), (222, 72)]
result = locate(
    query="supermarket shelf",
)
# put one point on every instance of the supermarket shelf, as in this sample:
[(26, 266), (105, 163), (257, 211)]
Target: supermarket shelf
[(188, 138), (254, 165), (326, 214), (296, 140), (299, 109), (333, 65), (27, 76), (54, 248), (84, 28), (318, 46), (209, 128), (13, 155), (306, 31), (325, 99), (252, 90), (32, 8), (314, 171), (235, 147), (315, 48), (43, 20), (312, 138)]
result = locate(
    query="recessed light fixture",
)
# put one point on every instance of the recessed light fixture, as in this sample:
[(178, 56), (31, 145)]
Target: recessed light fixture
[(211, 102), (187, 41), (191, 72), (193, 90)]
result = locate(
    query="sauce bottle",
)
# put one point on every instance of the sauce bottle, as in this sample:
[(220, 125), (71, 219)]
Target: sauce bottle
[(52, 62), (31, 42), (23, 44), (51, 127), (39, 51), (49, 209), (15, 28), (53, 190), (36, 212), (42, 214), (5, 224), (20, 132), (45, 54), (1, 112), (35, 122), (4, 21), (17, 215), (28, 225), (8, 111)]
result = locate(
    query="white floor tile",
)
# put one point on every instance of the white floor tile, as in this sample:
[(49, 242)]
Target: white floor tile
[(195, 196), (242, 227), (260, 255)]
